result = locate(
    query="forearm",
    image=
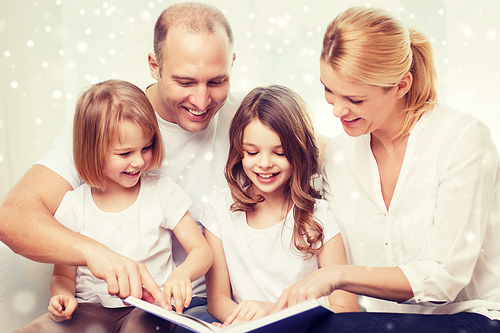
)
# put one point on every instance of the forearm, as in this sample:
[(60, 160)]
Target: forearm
[(387, 283), (198, 261), (61, 285), (220, 306)]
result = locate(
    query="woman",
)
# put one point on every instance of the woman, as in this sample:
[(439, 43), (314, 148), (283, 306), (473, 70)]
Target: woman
[(414, 187)]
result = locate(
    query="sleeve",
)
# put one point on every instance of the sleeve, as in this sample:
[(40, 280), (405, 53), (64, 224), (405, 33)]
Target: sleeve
[(462, 212), (208, 216), (325, 216), (175, 202), (59, 157), (67, 212)]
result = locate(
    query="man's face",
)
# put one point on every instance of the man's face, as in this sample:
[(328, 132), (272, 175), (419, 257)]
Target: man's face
[(194, 80)]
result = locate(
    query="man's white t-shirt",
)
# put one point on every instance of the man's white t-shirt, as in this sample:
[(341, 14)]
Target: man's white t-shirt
[(195, 161)]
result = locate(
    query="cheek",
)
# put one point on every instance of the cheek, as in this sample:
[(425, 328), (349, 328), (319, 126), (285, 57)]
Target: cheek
[(220, 94)]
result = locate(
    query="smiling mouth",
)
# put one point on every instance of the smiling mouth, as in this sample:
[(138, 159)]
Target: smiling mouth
[(267, 176), (132, 173), (197, 112), (350, 120)]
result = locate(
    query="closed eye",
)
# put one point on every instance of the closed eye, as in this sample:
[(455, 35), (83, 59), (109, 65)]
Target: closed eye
[(251, 153)]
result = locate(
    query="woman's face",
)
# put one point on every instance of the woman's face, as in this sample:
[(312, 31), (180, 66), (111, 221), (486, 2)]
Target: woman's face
[(362, 109)]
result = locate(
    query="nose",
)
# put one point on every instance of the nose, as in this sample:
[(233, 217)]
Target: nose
[(137, 161), (200, 97), (340, 110), (265, 161)]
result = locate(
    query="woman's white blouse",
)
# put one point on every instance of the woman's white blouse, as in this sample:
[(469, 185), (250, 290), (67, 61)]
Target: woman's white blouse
[(442, 227)]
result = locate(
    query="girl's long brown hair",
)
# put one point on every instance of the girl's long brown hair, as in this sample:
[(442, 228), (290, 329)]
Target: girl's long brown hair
[(286, 113)]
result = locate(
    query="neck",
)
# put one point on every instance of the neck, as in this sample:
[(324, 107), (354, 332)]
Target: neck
[(115, 198), (154, 98)]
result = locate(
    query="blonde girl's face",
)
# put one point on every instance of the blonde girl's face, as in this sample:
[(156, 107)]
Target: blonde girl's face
[(129, 156), (362, 109), (264, 160)]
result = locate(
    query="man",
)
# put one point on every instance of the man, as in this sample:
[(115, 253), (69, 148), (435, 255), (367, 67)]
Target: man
[(192, 65)]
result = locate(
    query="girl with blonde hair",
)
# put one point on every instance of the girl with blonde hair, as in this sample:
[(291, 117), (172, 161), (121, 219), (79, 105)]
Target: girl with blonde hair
[(116, 141), (414, 186), (269, 228)]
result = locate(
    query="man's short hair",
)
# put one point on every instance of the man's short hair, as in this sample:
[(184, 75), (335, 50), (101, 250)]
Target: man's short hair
[(194, 17)]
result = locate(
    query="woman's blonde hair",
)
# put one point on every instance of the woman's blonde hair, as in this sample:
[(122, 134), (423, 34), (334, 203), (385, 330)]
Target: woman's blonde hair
[(286, 113), (99, 112), (370, 46)]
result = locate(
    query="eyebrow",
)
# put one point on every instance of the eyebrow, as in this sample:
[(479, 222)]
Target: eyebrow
[(254, 145), (346, 96), (180, 77)]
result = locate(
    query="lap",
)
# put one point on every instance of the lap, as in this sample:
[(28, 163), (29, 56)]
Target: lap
[(372, 322), (92, 317)]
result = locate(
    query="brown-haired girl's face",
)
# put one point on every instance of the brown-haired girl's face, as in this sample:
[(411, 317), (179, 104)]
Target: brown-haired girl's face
[(264, 161), (128, 156), (362, 109)]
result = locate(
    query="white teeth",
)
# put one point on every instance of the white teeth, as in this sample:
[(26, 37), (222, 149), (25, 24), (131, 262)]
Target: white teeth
[(197, 112), (132, 173), (267, 176)]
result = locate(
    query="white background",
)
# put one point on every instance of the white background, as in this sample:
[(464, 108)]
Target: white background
[(50, 50)]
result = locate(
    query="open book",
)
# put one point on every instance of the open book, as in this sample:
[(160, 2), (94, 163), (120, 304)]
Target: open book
[(295, 319)]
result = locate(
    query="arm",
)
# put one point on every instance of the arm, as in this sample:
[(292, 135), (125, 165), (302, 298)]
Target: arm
[(387, 283), (29, 229), (198, 261), (332, 254), (220, 302), (62, 287)]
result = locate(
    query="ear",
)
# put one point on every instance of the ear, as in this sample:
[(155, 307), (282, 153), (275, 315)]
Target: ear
[(404, 85), (234, 58), (154, 68)]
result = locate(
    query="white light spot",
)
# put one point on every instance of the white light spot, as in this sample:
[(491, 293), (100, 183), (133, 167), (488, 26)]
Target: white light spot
[(244, 68), (81, 12), (105, 5), (30, 43), (401, 9), (286, 41), (82, 47), (251, 16), (267, 46), (97, 12), (61, 52), (112, 51), (471, 237), (57, 94), (491, 35), (112, 35), (355, 195), (38, 121), (412, 16), (14, 84), (204, 198), (305, 9), (441, 12), (1, 158), (58, 2), (145, 15), (6, 54), (338, 157), (310, 34), (48, 28), (467, 31), (24, 301), (71, 64), (88, 31), (45, 64)]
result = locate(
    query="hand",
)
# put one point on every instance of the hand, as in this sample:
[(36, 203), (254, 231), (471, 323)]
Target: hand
[(124, 276), (312, 286), (179, 287), (248, 310), (61, 307)]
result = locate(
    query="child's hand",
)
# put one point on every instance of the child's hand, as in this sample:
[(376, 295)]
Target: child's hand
[(248, 310), (179, 287), (61, 307)]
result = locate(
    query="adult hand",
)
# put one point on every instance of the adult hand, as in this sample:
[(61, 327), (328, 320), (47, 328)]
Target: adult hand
[(248, 310), (124, 276), (178, 286), (312, 286), (61, 307)]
